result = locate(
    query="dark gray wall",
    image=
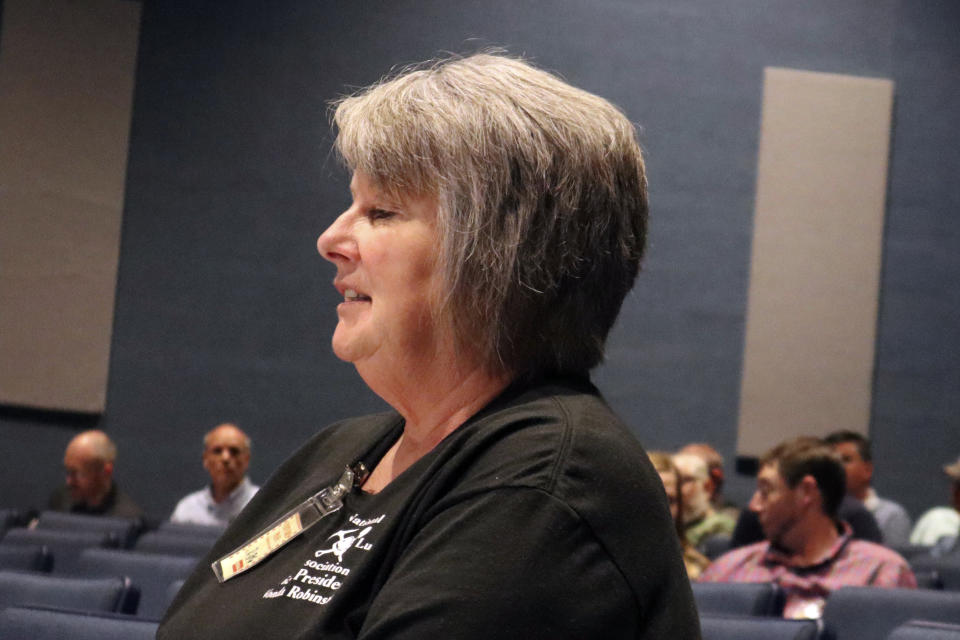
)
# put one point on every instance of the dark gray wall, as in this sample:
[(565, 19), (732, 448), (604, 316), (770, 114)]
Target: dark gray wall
[(224, 310)]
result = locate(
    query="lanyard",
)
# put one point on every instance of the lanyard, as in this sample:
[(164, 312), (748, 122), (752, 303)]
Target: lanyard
[(287, 527)]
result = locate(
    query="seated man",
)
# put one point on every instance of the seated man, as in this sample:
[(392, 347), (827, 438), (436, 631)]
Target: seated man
[(941, 525), (807, 551), (854, 451), (90, 488), (715, 470), (700, 520), (226, 456)]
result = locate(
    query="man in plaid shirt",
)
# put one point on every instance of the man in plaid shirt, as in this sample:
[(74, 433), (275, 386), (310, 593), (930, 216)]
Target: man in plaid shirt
[(807, 551)]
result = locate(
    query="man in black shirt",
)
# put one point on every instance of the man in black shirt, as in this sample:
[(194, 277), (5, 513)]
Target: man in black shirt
[(90, 489)]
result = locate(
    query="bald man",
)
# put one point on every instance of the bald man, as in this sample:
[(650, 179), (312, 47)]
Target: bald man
[(90, 488), (226, 456)]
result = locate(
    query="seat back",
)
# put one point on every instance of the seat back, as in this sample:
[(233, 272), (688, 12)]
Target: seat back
[(947, 569), (910, 551), (739, 598), (715, 546), (10, 518), (37, 623), (728, 627), (189, 529), (90, 594), (172, 591), (26, 557), (925, 630), (125, 530), (174, 543), (65, 546), (152, 573), (873, 612)]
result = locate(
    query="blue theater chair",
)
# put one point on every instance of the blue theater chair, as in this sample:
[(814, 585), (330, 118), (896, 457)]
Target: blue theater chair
[(36, 623), (174, 543), (727, 627), (924, 630), (65, 546), (125, 530), (947, 569), (852, 613), (739, 598), (151, 573), (25, 557), (91, 594)]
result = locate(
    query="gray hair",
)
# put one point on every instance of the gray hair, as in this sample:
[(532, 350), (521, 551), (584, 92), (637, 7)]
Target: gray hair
[(541, 195)]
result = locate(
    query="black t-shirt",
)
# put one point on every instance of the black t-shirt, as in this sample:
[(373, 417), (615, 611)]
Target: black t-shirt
[(540, 517)]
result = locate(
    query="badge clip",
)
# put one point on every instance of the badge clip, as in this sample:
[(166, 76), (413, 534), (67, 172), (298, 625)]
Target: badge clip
[(286, 528)]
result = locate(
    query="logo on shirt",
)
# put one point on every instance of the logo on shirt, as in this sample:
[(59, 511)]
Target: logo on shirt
[(323, 574), (345, 541)]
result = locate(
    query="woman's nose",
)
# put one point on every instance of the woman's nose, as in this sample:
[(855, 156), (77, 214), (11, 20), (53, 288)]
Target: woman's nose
[(336, 242)]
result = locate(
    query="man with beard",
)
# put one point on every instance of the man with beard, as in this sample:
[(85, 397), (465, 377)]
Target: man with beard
[(807, 550)]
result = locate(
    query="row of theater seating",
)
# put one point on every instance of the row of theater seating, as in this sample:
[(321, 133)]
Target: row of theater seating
[(728, 627), (741, 610), (125, 576), (96, 564)]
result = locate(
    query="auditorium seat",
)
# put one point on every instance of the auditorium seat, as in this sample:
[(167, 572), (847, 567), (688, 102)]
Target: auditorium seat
[(65, 546), (199, 530), (946, 567), (173, 543), (10, 518), (91, 594), (38, 623), (852, 613), (152, 573), (125, 530), (925, 630), (716, 546), (739, 598), (172, 592), (25, 557), (909, 551), (729, 627)]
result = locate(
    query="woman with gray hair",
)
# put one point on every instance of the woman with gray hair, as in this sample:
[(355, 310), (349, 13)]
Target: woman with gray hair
[(498, 221)]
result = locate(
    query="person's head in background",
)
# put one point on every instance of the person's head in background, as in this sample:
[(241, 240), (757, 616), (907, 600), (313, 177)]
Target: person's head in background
[(88, 464), (714, 468), (854, 451), (800, 485), (226, 457), (670, 477), (953, 472), (695, 486)]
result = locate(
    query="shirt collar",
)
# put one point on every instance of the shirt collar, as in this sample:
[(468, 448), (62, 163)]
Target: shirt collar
[(773, 555), (238, 491), (872, 501)]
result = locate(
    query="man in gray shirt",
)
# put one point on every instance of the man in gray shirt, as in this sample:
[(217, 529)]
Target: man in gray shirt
[(893, 519)]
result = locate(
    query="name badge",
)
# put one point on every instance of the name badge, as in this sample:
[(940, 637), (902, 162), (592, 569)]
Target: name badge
[(289, 526)]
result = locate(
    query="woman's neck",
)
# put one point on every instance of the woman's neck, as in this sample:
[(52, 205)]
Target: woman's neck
[(433, 404)]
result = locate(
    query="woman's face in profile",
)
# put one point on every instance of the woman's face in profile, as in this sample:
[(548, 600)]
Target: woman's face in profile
[(385, 253)]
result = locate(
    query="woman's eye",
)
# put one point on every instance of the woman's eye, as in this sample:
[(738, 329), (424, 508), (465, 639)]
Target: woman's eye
[(376, 214)]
